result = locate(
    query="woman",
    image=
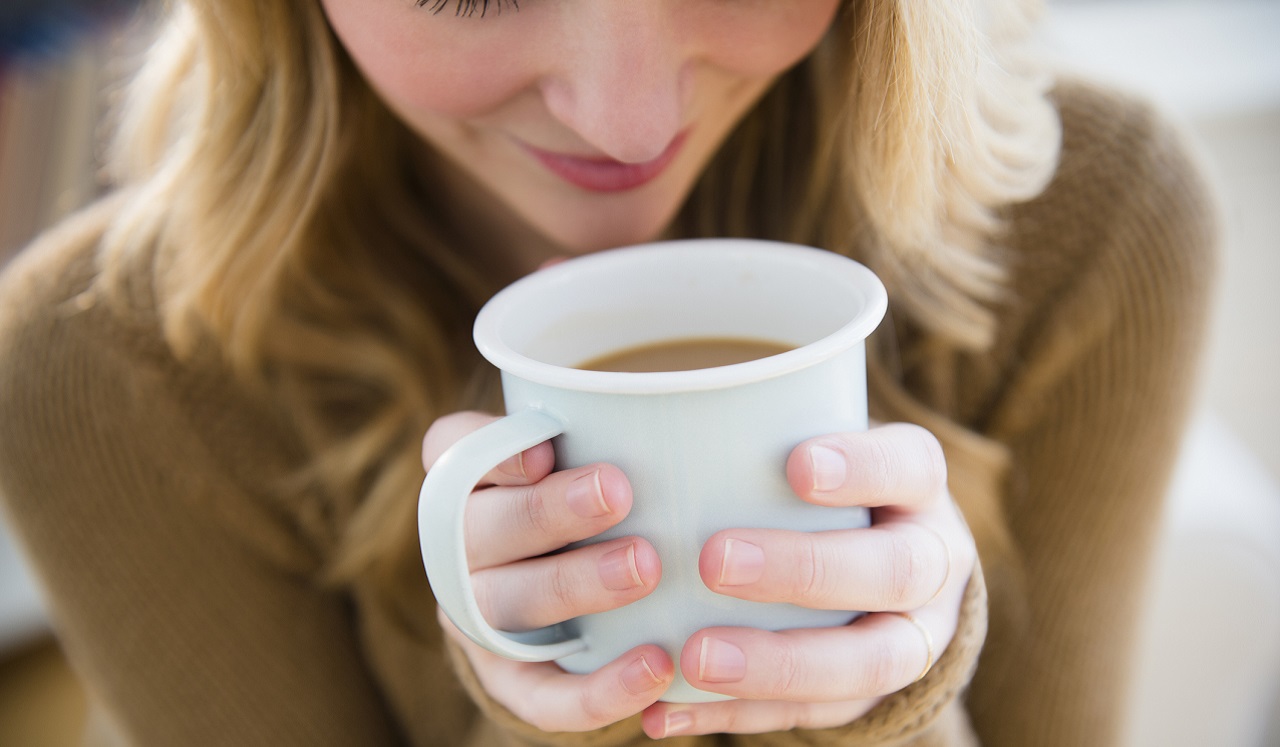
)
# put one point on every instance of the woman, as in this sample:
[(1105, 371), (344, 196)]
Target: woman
[(217, 381)]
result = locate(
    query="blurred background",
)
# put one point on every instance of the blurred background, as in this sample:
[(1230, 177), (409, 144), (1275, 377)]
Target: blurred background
[(1211, 646), (1210, 658)]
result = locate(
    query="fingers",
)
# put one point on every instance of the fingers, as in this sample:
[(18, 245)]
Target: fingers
[(552, 700), (899, 464), (524, 468), (875, 655), (917, 548), (910, 568), (505, 524), (749, 717), (552, 589), (522, 512), (894, 565)]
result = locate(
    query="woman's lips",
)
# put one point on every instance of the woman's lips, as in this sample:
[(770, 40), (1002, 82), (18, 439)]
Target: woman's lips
[(605, 174)]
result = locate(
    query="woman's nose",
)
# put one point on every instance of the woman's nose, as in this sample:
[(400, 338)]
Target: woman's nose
[(620, 82)]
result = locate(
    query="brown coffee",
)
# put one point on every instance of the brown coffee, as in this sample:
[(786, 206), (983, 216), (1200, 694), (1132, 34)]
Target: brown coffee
[(685, 355)]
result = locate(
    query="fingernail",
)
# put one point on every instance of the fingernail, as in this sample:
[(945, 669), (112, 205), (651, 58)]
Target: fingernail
[(585, 496), (829, 468), (638, 677), (743, 563), (676, 723), (618, 569), (721, 661), (514, 466)]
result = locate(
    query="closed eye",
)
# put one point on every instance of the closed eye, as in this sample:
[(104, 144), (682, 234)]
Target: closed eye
[(468, 8)]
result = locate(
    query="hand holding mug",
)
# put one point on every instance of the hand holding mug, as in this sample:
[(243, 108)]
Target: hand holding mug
[(914, 558), (909, 569), (517, 517), (673, 500)]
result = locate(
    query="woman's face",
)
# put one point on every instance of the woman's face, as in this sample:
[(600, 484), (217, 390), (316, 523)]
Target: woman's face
[(589, 119)]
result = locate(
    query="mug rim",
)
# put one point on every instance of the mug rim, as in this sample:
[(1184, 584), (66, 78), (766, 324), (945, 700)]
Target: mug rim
[(489, 340)]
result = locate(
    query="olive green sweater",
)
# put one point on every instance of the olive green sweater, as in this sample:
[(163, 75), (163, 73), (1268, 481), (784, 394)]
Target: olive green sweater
[(182, 570)]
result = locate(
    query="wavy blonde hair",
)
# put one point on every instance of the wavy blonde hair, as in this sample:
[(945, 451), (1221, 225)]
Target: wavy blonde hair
[(268, 202)]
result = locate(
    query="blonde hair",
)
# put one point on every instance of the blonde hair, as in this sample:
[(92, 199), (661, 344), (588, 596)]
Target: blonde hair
[(266, 189)]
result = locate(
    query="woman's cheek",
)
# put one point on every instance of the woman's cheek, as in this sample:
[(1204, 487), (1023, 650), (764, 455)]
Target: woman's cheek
[(765, 38), (442, 65)]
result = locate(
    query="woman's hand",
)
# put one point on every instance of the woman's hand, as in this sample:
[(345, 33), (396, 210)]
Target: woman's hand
[(519, 513), (909, 569)]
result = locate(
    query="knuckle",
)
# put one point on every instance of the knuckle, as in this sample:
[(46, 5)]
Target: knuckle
[(433, 444), (445, 430), (812, 569), (561, 594), (543, 719), (592, 713), (878, 470), (934, 460), (819, 571), (534, 515), (485, 600), (536, 705), (902, 565), (788, 676), (801, 716), (731, 721), (830, 715), (884, 666)]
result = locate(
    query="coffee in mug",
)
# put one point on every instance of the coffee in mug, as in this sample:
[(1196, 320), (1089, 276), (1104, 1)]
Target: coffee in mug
[(685, 355)]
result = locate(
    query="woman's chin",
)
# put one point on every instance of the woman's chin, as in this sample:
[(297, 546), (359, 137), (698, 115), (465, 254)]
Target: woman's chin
[(592, 233)]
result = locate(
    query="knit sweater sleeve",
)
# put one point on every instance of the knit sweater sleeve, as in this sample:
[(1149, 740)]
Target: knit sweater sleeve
[(184, 603), (1092, 414)]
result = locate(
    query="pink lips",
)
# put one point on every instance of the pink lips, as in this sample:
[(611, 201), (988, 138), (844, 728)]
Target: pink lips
[(605, 174)]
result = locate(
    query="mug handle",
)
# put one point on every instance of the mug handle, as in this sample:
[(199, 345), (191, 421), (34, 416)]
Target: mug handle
[(441, 508)]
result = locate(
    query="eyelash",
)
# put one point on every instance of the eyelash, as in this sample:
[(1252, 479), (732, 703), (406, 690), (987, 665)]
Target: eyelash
[(467, 8)]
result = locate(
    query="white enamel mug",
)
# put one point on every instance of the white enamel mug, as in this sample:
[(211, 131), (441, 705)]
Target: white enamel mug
[(704, 450)]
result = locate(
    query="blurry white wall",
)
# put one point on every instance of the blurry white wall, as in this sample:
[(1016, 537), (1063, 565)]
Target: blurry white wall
[(1215, 66)]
